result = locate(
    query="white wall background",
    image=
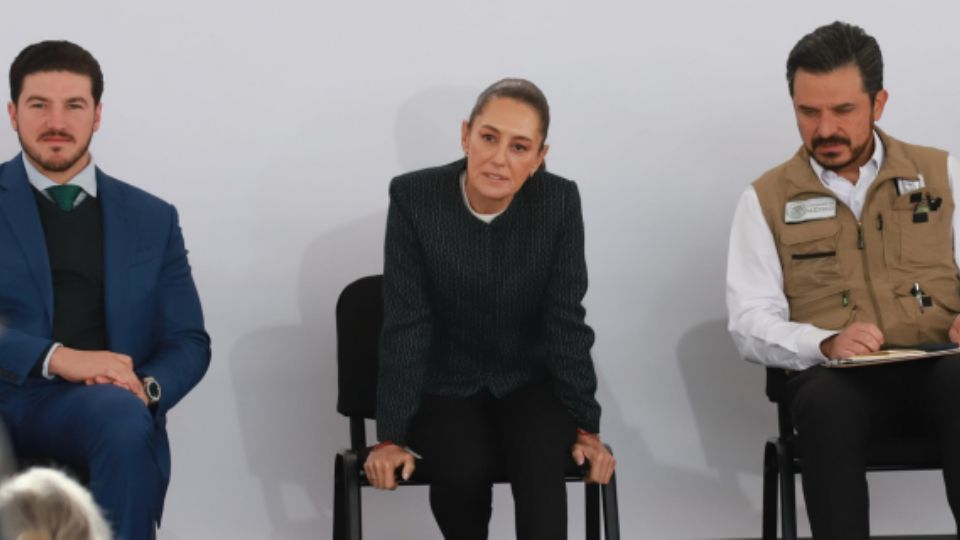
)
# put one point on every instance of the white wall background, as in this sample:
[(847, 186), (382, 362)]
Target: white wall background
[(275, 128)]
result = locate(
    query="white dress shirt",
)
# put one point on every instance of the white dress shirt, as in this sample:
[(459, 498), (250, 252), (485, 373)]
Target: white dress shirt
[(759, 315), (86, 179)]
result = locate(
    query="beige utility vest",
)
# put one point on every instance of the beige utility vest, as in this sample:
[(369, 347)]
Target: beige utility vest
[(837, 270)]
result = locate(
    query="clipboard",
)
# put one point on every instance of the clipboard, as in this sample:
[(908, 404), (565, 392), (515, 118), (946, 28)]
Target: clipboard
[(896, 354)]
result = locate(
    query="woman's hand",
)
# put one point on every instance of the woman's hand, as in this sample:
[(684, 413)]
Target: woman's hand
[(602, 463), (382, 464)]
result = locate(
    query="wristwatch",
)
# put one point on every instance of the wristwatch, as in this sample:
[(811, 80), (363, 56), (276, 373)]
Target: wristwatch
[(152, 389)]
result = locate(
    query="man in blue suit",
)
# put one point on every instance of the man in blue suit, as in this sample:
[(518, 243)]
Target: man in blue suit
[(101, 330)]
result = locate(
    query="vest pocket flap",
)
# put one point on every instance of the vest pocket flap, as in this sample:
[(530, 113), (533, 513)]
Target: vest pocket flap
[(810, 231)]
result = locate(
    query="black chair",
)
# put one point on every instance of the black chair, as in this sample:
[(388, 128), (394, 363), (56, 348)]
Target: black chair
[(359, 318), (782, 460)]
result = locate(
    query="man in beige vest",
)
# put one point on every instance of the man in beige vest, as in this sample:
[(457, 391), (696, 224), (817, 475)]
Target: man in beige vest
[(850, 246)]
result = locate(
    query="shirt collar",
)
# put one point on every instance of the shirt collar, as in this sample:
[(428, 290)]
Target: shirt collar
[(85, 179), (870, 168)]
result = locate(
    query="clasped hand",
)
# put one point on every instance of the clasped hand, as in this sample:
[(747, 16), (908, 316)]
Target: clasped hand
[(97, 367), (383, 462)]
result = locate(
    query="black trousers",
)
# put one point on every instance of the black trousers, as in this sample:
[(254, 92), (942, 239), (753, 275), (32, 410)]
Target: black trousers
[(467, 442), (838, 411)]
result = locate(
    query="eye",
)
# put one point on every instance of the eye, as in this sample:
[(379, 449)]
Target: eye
[(808, 112), (37, 105), (488, 137), (75, 106), (520, 148)]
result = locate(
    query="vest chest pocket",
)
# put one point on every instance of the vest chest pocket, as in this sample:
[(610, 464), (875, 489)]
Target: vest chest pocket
[(808, 253), (924, 231), (928, 324)]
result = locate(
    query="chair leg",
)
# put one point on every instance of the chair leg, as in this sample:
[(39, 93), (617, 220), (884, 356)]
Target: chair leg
[(347, 518), (770, 495), (339, 521), (788, 503), (591, 496), (339, 501), (611, 512)]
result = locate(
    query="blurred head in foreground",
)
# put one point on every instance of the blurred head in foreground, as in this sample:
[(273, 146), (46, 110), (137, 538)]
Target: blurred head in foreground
[(45, 504)]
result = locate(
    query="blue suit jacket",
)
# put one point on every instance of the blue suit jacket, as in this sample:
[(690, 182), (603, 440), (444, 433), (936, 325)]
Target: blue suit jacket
[(152, 309)]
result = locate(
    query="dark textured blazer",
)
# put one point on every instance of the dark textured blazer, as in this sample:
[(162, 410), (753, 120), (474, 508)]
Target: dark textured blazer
[(471, 306)]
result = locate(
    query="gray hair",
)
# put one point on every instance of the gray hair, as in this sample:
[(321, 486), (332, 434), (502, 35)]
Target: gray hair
[(45, 503)]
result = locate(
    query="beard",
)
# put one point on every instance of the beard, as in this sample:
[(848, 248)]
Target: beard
[(60, 162), (856, 152)]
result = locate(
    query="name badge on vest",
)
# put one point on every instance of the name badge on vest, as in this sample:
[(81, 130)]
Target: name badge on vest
[(810, 209), (906, 185)]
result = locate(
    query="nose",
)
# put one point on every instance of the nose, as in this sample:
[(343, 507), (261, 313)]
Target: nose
[(827, 126), (500, 156), (55, 118)]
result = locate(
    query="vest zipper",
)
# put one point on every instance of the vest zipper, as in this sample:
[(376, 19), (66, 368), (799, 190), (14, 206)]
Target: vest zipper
[(866, 275)]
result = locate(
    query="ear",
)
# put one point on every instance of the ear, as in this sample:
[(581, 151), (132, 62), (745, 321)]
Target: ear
[(12, 111), (96, 116), (879, 102), (543, 155), (464, 136)]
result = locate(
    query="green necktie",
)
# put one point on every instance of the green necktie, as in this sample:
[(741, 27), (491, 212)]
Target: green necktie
[(64, 195)]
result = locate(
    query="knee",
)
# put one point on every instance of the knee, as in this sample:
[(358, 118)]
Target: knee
[(823, 399), (946, 382), (121, 426)]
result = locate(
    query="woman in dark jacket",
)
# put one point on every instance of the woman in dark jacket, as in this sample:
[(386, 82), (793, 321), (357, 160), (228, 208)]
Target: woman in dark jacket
[(485, 356)]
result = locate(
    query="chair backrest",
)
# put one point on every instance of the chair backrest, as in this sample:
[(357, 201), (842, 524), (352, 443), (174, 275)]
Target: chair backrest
[(776, 381), (359, 319)]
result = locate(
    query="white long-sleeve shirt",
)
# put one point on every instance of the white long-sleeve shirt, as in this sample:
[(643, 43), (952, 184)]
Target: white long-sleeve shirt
[(759, 315)]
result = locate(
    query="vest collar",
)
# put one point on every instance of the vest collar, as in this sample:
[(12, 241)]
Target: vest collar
[(802, 179)]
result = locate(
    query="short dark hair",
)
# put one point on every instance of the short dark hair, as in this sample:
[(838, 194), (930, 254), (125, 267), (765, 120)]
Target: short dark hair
[(836, 45), (521, 90), (55, 56)]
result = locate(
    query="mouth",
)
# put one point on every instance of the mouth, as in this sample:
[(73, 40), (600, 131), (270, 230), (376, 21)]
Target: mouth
[(58, 138), (831, 145), (495, 177)]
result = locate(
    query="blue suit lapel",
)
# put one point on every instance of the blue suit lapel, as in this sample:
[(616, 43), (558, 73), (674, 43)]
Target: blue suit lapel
[(19, 207), (118, 250)]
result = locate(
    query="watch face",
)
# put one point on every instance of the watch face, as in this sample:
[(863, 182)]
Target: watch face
[(153, 390)]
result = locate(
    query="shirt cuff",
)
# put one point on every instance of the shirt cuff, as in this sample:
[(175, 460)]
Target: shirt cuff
[(46, 362), (809, 346)]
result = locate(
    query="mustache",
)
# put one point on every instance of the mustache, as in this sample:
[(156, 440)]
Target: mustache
[(834, 139), (56, 133)]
